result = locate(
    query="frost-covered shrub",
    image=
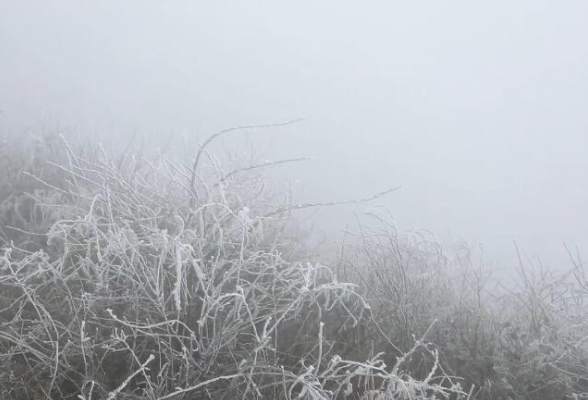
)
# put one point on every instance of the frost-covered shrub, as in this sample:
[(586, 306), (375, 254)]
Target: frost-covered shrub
[(154, 279)]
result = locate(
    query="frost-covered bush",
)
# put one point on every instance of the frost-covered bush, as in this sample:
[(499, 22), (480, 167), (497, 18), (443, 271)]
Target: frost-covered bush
[(525, 341), (154, 279)]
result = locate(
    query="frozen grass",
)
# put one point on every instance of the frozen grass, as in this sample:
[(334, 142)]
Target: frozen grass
[(148, 278), (523, 341), (143, 277)]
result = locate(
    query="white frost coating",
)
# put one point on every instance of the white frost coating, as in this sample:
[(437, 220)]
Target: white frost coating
[(244, 219), (178, 285), (310, 276)]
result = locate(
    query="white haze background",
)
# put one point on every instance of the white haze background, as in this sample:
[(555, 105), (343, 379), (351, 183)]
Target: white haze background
[(477, 109)]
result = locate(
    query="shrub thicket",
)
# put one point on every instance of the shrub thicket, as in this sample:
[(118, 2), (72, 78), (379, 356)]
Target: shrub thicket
[(142, 277)]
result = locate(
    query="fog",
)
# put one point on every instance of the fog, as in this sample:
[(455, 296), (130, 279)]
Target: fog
[(476, 109)]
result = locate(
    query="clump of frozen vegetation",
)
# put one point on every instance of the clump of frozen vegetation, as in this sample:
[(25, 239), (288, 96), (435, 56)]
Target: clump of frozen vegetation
[(142, 277)]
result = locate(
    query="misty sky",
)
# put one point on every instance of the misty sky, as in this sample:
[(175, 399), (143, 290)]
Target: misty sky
[(477, 109)]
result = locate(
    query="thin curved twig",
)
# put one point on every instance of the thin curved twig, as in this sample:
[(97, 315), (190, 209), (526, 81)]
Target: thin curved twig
[(229, 130)]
